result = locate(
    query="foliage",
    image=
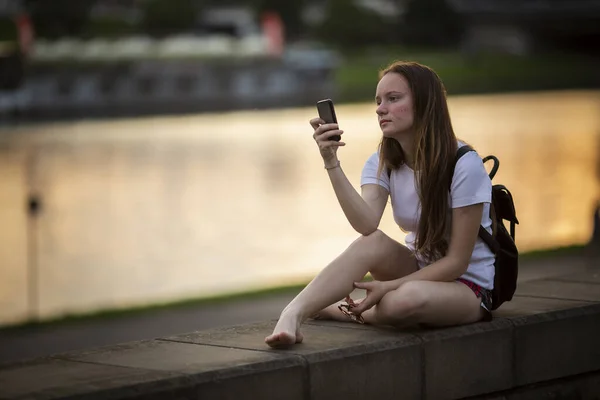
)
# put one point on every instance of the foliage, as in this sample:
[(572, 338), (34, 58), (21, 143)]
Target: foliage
[(8, 30), (57, 18), (163, 17), (431, 23), (109, 27), (462, 73), (347, 25)]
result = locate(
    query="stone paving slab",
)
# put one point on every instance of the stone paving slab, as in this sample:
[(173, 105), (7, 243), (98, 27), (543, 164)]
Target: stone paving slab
[(520, 306), (56, 379), (326, 337), (230, 373), (589, 276), (347, 325), (560, 290), (551, 266), (343, 363)]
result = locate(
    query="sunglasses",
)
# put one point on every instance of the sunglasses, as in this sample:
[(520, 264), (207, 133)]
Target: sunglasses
[(347, 308)]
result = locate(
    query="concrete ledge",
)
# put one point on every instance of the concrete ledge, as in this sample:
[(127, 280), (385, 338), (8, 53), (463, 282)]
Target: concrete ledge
[(468, 360), (543, 344), (586, 386), (341, 362)]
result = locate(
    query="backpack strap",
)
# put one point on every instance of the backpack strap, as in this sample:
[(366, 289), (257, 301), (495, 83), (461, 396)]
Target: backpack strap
[(487, 237), (461, 152)]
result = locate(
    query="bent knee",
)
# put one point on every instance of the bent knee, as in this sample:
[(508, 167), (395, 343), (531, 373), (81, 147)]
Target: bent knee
[(405, 302), (374, 236), (372, 246), (371, 241)]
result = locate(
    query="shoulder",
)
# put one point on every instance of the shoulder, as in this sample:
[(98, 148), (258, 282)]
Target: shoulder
[(372, 163), (370, 173), (373, 159), (469, 163), (470, 182)]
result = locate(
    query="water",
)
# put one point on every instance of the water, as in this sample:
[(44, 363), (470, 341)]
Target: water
[(158, 209)]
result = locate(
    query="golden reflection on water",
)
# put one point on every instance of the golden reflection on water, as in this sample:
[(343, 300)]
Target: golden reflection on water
[(157, 209)]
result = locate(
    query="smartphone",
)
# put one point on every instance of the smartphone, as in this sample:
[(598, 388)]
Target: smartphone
[(327, 114)]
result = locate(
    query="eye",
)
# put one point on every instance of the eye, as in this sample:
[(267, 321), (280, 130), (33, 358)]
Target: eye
[(393, 98)]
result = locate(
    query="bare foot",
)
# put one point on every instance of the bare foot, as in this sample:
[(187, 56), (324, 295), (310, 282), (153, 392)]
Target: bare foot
[(286, 333)]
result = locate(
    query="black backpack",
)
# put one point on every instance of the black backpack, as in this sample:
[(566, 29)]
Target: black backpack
[(501, 242)]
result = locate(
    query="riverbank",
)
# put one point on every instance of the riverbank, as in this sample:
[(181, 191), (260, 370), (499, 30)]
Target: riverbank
[(89, 89), (464, 73)]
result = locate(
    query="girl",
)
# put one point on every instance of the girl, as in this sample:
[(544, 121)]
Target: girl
[(445, 273)]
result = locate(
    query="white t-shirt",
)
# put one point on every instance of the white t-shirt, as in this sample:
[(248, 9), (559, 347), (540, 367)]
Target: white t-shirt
[(470, 185)]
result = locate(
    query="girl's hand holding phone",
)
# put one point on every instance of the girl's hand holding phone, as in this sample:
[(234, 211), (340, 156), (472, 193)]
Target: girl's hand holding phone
[(323, 133)]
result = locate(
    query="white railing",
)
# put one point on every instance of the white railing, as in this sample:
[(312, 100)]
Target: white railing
[(141, 47)]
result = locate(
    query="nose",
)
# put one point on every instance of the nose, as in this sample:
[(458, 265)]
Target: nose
[(381, 110)]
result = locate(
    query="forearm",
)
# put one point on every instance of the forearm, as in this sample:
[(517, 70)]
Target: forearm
[(362, 218), (446, 269)]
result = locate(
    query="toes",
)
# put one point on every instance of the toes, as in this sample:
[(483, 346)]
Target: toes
[(280, 339)]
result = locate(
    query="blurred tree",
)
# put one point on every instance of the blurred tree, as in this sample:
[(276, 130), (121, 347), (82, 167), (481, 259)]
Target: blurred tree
[(8, 29), (431, 23), (11, 57), (56, 18), (348, 25), (163, 17), (109, 27)]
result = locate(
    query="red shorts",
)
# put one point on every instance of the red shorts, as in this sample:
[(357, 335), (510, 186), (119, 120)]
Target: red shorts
[(484, 294)]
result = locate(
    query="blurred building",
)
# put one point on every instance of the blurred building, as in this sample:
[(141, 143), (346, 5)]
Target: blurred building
[(228, 58)]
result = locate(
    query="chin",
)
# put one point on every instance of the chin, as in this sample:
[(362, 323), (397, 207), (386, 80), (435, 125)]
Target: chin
[(388, 133)]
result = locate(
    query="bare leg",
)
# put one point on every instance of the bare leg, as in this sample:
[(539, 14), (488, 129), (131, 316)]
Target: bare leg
[(385, 258), (425, 302), (420, 302)]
